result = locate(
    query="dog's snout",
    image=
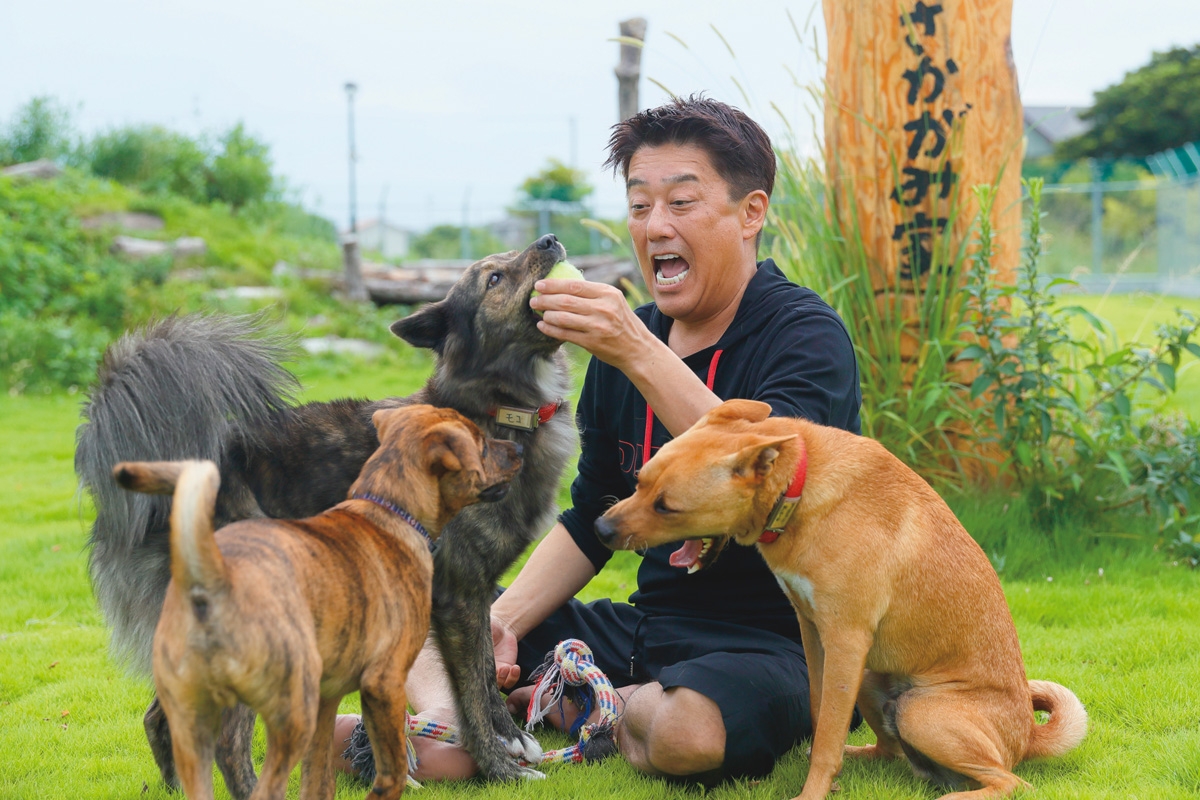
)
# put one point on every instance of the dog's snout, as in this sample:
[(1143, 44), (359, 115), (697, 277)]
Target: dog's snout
[(547, 242), (606, 532), (494, 493)]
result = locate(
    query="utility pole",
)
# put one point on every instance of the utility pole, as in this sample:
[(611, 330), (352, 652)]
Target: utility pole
[(464, 238), (351, 88), (629, 70), (351, 255), (574, 143)]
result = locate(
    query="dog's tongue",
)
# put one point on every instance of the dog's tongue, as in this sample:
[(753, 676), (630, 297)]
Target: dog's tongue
[(687, 555)]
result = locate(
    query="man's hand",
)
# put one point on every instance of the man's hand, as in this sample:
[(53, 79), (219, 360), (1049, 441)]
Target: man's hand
[(594, 316), (504, 644)]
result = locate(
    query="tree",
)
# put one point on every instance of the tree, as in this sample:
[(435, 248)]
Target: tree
[(41, 129), (554, 197), (151, 158), (241, 172), (558, 182), (1154, 108)]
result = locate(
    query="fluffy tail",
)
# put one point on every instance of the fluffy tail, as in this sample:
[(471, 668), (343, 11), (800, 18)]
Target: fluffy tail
[(172, 391), (1067, 724), (196, 564)]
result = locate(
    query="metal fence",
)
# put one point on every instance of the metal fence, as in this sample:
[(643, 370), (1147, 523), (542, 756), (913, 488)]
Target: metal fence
[(1128, 235)]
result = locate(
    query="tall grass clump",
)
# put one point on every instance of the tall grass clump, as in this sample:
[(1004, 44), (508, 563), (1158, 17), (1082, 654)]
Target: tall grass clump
[(914, 405)]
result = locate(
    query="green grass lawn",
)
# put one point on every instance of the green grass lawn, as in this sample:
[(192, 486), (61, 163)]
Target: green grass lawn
[(1125, 640)]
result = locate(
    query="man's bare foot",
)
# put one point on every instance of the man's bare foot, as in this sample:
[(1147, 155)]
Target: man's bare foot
[(436, 761)]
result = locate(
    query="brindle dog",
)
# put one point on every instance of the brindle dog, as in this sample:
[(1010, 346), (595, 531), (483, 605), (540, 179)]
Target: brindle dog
[(211, 387), (290, 616)]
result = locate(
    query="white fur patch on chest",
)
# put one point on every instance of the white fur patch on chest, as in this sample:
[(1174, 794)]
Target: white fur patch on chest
[(797, 588)]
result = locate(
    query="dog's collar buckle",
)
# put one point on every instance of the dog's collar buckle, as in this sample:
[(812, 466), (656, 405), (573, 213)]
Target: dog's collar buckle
[(525, 419), (785, 506)]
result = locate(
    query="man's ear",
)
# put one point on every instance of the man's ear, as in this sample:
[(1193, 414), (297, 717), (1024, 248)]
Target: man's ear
[(754, 213), (734, 411), (426, 327), (756, 460)]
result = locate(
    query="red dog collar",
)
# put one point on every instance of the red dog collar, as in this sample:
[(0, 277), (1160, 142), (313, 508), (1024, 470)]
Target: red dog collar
[(525, 419), (785, 506)]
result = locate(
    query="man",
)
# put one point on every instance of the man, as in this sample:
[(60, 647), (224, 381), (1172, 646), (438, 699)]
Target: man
[(709, 664)]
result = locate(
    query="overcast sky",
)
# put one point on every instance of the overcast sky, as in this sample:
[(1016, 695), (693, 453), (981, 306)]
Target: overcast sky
[(460, 100)]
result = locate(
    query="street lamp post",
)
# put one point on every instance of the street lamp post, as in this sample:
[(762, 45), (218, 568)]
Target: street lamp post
[(351, 88), (351, 255)]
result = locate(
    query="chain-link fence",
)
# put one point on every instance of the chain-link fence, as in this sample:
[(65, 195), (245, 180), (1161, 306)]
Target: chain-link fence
[(1124, 226)]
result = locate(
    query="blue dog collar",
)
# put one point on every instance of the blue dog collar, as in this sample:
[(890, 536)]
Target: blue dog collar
[(398, 511)]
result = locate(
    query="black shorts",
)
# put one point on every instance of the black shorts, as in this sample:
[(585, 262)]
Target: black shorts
[(757, 678)]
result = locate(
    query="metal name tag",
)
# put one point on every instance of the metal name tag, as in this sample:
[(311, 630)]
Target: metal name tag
[(781, 513), (524, 419)]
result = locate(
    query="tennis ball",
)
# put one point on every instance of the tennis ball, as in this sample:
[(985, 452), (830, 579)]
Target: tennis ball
[(562, 271)]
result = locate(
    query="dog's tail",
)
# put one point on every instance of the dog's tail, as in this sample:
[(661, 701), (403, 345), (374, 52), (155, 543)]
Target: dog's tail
[(196, 564), (174, 390), (1067, 724)]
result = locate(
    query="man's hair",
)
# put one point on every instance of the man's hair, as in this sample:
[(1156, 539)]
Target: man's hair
[(739, 149)]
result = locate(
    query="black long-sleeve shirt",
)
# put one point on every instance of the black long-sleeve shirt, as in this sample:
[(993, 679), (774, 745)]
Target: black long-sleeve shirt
[(785, 347)]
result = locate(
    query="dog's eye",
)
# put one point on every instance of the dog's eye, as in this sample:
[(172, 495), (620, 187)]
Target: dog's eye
[(495, 278), (660, 506)]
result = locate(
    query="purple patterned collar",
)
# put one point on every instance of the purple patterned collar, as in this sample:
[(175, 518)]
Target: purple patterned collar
[(398, 511)]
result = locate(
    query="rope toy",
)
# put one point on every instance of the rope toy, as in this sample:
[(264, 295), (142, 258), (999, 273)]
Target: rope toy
[(568, 672)]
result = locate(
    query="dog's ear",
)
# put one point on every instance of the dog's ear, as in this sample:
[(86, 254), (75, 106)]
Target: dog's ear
[(755, 460), (450, 447), (735, 410), (385, 419), (426, 327)]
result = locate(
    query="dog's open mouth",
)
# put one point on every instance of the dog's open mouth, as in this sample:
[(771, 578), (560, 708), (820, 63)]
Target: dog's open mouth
[(696, 554), (670, 269)]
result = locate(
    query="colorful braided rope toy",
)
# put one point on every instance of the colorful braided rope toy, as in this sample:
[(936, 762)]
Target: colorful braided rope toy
[(569, 672)]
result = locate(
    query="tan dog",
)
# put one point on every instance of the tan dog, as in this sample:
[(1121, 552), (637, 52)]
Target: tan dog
[(289, 616), (899, 608)]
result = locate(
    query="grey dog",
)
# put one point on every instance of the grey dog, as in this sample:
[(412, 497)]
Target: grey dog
[(211, 387)]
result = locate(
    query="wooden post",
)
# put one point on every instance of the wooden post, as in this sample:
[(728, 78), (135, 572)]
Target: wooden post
[(352, 265), (629, 70), (921, 106)]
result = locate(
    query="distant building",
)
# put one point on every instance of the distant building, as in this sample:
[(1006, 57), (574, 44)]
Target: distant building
[(390, 241), (1046, 126)]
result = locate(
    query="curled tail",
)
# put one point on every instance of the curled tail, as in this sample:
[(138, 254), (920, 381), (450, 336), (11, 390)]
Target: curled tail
[(174, 390), (1067, 724), (196, 564)]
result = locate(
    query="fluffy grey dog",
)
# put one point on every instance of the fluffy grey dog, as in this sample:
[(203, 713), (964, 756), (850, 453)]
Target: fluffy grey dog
[(209, 387)]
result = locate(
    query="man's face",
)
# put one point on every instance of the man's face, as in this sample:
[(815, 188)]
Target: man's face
[(694, 243)]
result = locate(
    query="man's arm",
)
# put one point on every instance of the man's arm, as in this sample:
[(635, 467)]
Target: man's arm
[(596, 317), (555, 571)]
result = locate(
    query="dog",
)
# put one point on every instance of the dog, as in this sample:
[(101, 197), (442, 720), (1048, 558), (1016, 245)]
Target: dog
[(899, 608), (288, 617), (211, 387)]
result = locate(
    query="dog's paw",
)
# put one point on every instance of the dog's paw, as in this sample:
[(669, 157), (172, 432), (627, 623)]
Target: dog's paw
[(531, 774), (523, 747)]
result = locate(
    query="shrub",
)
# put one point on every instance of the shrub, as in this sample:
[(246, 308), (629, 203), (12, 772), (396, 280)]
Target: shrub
[(150, 158), (240, 173), (41, 129), (1079, 418)]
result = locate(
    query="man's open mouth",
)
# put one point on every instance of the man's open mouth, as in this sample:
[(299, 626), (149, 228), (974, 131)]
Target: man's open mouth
[(670, 269)]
